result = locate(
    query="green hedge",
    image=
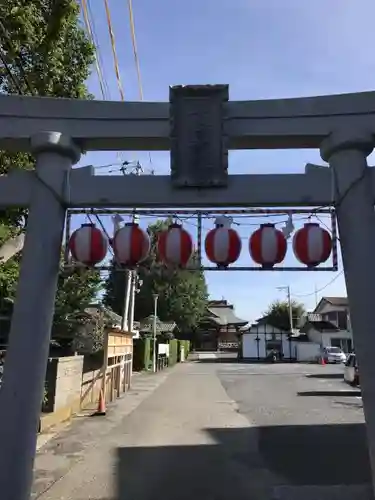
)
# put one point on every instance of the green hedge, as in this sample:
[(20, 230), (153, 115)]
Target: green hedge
[(142, 354)]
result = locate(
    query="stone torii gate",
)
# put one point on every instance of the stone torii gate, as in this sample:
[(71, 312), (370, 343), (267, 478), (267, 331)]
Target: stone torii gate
[(198, 126)]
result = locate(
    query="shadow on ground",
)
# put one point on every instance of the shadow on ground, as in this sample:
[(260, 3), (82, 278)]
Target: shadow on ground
[(342, 393), (326, 376), (238, 459)]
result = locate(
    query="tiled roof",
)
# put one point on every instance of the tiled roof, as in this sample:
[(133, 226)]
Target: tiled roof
[(225, 316), (337, 301), (147, 325), (110, 316)]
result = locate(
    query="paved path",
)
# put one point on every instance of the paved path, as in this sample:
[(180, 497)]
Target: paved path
[(195, 432)]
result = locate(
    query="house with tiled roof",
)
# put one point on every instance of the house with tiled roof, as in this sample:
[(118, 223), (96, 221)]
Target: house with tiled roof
[(220, 327), (329, 323)]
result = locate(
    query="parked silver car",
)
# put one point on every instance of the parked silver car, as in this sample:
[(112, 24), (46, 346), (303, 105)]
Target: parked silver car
[(334, 355)]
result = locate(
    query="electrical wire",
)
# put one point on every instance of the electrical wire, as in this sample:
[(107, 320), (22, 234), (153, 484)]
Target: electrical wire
[(136, 59), (98, 50), (135, 51), (114, 52), (91, 32), (91, 37), (320, 289)]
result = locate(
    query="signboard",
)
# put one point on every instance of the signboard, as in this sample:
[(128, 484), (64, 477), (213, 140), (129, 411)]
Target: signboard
[(199, 153), (163, 349)]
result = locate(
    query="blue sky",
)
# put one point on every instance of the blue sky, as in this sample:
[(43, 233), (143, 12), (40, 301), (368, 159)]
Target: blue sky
[(263, 49)]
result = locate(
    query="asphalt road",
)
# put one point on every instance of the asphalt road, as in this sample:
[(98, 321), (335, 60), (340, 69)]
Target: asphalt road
[(216, 430), (308, 424)]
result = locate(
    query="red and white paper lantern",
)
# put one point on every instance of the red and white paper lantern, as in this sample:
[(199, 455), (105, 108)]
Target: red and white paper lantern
[(312, 244), (267, 246), (131, 245), (175, 246), (88, 245), (223, 244)]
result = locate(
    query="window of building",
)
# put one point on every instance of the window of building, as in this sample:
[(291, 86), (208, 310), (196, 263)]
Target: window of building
[(342, 320), (331, 316), (344, 344)]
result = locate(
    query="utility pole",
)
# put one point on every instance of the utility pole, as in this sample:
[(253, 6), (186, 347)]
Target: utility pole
[(131, 275), (155, 297), (124, 320), (290, 306), (125, 313), (132, 285)]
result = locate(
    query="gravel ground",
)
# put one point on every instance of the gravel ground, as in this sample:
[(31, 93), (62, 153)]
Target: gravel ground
[(216, 431)]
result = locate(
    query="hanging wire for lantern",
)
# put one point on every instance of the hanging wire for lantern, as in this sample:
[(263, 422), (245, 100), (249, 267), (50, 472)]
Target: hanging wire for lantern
[(185, 215)]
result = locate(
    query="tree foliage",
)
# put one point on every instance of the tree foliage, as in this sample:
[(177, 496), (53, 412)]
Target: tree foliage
[(45, 52), (182, 295), (278, 314), (77, 289), (45, 48), (115, 288), (89, 334)]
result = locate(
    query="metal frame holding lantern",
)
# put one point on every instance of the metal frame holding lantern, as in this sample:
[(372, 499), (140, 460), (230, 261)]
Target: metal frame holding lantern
[(312, 244)]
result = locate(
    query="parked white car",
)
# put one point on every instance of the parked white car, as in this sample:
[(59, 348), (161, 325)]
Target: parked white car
[(334, 355)]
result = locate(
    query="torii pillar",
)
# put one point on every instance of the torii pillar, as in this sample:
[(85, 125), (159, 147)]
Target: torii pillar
[(347, 151), (27, 353)]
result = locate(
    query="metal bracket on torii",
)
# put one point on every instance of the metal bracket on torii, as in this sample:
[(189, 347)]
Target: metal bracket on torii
[(198, 126)]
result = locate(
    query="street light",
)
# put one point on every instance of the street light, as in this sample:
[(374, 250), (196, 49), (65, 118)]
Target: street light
[(287, 288), (155, 297)]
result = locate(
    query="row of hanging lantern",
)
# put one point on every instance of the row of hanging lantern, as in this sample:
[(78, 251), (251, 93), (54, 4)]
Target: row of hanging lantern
[(312, 245)]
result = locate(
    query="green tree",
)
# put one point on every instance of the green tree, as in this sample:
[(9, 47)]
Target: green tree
[(45, 48), (115, 288), (44, 51), (278, 313), (182, 294), (77, 289)]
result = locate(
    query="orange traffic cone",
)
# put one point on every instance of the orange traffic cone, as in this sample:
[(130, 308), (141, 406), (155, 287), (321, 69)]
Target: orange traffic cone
[(322, 361), (101, 405)]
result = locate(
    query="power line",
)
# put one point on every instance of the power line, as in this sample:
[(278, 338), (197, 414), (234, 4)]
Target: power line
[(114, 52), (136, 57), (135, 51), (99, 52), (320, 289), (91, 36)]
